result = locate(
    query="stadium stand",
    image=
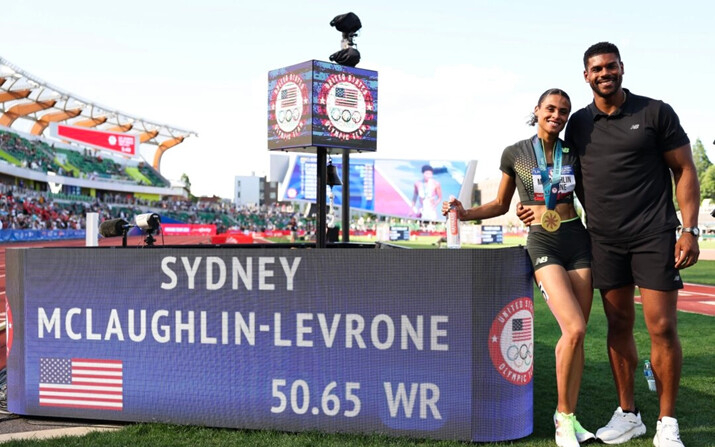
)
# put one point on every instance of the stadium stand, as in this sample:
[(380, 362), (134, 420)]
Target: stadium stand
[(50, 179), (22, 208), (39, 155), (25, 153)]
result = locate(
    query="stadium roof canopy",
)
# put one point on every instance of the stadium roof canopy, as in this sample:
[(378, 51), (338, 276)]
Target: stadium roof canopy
[(24, 97)]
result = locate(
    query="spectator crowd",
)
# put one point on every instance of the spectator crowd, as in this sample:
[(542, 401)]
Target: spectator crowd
[(26, 209)]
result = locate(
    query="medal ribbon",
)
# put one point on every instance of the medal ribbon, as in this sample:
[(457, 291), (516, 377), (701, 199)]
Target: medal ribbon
[(553, 182)]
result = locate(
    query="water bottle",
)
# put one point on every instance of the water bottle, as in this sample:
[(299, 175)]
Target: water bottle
[(648, 373), (453, 239)]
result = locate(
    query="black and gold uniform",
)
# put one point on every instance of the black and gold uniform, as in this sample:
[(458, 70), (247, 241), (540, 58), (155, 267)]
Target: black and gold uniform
[(569, 246)]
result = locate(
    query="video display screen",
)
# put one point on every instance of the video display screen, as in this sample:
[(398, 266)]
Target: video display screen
[(403, 188), (322, 104), (301, 182), (347, 340), (416, 188)]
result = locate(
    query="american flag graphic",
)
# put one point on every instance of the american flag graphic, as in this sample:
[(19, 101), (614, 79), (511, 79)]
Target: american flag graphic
[(289, 97), (346, 97), (521, 329), (81, 383)]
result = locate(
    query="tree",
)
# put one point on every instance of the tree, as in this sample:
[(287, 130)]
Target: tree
[(700, 157), (187, 183), (707, 184)]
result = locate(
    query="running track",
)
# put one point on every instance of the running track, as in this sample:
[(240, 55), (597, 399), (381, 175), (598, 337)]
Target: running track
[(694, 298)]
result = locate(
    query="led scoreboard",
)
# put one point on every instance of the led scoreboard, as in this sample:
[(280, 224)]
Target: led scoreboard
[(270, 338), (317, 103)]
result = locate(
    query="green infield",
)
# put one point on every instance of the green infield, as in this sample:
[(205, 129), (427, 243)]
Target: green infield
[(701, 273)]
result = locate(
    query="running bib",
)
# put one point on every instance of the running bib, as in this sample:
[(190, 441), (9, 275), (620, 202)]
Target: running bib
[(566, 185)]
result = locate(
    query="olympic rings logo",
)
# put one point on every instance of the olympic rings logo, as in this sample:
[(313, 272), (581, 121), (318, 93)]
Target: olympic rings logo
[(520, 355), (288, 115), (345, 115)]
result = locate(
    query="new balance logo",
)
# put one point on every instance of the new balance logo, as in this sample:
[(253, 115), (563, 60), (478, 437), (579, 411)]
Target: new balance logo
[(541, 260), (677, 278), (635, 126)]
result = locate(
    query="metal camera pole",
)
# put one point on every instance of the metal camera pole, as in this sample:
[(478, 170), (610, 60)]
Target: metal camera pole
[(321, 226), (346, 196)]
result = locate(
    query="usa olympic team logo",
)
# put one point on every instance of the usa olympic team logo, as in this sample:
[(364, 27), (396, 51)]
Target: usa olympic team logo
[(288, 106), (511, 341), (347, 103)]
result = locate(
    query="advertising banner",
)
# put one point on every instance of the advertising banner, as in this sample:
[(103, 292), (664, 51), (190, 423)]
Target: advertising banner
[(109, 141), (492, 234), (276, 339), (8, 235), (179, 229)]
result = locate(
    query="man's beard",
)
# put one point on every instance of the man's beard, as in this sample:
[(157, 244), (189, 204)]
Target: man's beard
[(617, 80)]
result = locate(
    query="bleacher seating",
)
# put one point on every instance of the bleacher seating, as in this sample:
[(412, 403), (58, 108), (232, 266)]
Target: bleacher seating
[(153, 176), (67, 210), (39, 155), (26, 153)]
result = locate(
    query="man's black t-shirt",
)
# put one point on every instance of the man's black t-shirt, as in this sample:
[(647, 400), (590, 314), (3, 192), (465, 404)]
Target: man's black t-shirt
[(626, 182)]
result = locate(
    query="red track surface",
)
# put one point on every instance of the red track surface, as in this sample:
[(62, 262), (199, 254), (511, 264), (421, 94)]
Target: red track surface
[(693, 298)]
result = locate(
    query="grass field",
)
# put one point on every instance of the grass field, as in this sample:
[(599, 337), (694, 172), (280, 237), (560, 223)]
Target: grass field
[(701, 273), (696, 411)]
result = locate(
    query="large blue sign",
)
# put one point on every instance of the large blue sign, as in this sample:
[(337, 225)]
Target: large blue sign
[(39, 235), (423, 343)]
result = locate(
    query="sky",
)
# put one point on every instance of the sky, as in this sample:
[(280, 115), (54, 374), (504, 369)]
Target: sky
[(457, 79)]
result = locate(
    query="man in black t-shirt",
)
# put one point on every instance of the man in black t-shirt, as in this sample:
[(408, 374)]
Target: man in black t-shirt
[(628, 146)]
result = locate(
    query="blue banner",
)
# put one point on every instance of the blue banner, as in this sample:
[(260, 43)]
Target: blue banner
[(39, 235), (350, 340)]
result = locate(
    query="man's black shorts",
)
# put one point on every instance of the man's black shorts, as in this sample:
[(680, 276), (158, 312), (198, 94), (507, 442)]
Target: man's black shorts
[(647, 262)]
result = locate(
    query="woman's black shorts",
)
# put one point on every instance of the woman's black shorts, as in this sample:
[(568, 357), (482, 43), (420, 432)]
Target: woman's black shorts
[(569, 246)]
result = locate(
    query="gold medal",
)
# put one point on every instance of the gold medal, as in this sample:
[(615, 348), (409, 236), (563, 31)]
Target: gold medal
[(550, 220)]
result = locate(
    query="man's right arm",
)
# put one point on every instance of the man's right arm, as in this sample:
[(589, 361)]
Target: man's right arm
[(526, 215)]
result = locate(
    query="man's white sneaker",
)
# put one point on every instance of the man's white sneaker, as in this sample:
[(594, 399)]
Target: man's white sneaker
[(667, 433), (621, 428)]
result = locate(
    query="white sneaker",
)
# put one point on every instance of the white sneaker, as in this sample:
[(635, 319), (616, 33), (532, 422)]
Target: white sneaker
[(565, 434), (667, 433), (582, 435), (621, 428)]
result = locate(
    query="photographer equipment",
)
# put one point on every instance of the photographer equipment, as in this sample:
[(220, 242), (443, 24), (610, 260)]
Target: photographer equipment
[(348, 24)]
